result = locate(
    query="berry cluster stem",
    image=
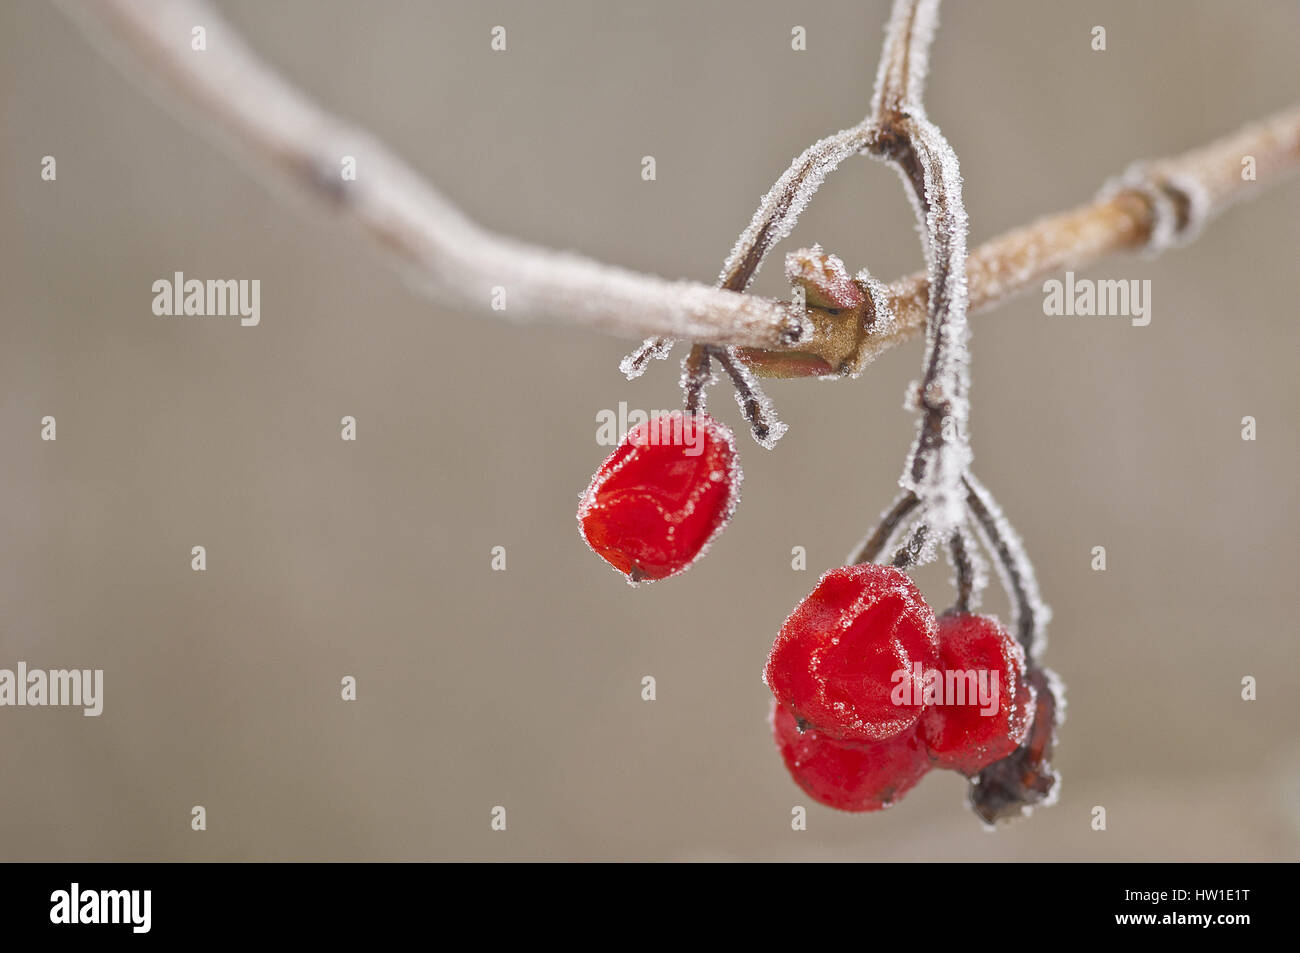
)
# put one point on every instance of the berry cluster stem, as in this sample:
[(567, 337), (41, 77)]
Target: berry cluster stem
[(696, 373), (963, 563), (879, 539), (1031, 614), (916, 148)]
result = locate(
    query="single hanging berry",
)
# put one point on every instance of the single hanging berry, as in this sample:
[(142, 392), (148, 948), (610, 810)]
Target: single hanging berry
[(983, 668), (659, 499), (851, 659), (849, 776)]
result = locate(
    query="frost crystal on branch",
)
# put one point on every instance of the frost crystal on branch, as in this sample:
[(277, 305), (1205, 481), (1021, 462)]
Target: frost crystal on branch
[(651, 349), (774, 220), (941, 501), (777, 214), (766, 427), (889, 527), (900, 77), (697, 377), (884, 320), (942, 453), (907, 140), (970, 571), (1030, 614), (779, 210), (1180, 203)]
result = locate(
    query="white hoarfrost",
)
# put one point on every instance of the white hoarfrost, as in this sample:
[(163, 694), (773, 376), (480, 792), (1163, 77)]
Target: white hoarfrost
[(1180, 204), (698, 380), (651, 349), (935, 466), (778, 211), (1016, 572), (766, 426), (900, 77), (977, 566), (884, 320)]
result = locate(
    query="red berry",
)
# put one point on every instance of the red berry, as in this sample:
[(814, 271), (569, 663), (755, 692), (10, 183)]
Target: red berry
[(848, 775), (978, 657), (842, 657), (659, 499)]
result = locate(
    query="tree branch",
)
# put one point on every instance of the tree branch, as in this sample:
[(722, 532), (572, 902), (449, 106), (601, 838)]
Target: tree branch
[(1120, 219), (458, 263), (448, 256), (915, 147)]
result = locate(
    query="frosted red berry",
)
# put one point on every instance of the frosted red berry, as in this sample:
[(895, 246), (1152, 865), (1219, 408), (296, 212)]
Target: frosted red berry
[(843, 657), (659, 499), (976, 654), (849, 776)]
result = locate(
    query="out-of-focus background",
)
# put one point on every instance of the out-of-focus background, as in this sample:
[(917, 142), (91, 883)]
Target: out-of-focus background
[(523, 688)]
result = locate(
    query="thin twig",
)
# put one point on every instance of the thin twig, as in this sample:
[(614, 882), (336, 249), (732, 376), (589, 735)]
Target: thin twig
[(448, 256), (1116, 221), (1029, 613), (910, 552), (697, 374), (914, 146), (754, 405), (900, 77), (456, 262), (963, 558), (779, 211), (775, 218), (869, 550)]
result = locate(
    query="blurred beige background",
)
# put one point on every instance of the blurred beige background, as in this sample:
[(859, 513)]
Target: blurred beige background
[(522, 688)]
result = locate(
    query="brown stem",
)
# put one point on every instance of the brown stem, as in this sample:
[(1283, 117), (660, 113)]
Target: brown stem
[(753, 403), (240, 99), (869, 550), (1030, 615), (909, 554), (1022, 258), (696, 376), (965, 569), (912, 144)]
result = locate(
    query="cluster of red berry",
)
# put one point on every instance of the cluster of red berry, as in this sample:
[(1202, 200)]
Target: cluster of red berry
[(872, 690)]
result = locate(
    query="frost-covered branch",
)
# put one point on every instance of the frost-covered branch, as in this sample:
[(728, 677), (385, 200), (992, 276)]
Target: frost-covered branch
[(235, 95), (1132, 214), (948, 499), (915, 147), (232, 92), (775, 218), (905, 62)]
